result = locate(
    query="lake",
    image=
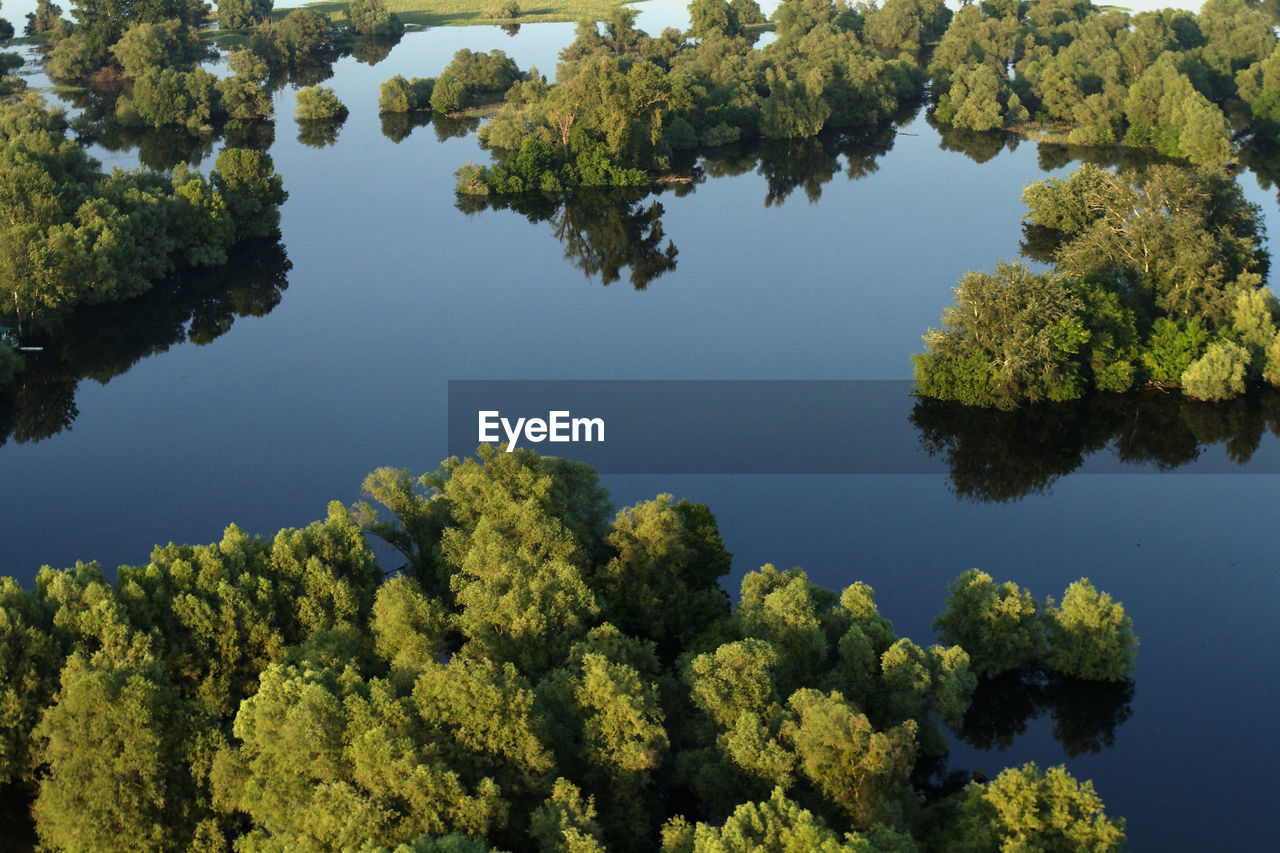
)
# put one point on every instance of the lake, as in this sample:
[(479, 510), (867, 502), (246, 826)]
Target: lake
[(393, 291)]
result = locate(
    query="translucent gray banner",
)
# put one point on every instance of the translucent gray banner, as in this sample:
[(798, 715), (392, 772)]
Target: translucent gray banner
[(854, 427)]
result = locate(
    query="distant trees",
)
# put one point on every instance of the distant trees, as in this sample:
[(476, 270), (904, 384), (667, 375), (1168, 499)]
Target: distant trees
[(241, 14), (372, 18), (279, 693), (398, 95), (1164, 80)]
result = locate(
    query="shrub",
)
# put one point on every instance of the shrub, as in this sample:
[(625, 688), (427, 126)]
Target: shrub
[(317, 103)]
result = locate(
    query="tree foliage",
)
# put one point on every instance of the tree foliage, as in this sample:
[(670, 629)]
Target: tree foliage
[(75, 235), (1158, 276), (282, 694)]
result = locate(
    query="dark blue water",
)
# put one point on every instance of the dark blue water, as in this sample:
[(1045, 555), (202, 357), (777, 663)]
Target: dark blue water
[(393, 292)]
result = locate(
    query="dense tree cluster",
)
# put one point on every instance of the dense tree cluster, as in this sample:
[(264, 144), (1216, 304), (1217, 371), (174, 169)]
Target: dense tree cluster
[(166, 33), (1005, 629), (398, 95), (242, 14), (625, 104), (1168, 80), (372, 18), (74, 235), (1158, 277), (537, 677)]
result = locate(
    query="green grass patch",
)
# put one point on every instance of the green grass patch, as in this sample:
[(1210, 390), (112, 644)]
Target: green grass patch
[(454, 13)]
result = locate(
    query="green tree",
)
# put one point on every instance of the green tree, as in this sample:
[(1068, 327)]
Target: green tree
[(399, 95), (316, 103), (860, 770), (242, 14), (661, 583), (330, 761), (44, 19), (565, 823), (1219, 373), (302, 35), (1028, 809), (974, 99), (996, 625), (794, 108), (713, 18), (166, 96), (118, 741), (252, 189), (144, 46), (1011, 337), (1172, 347), (1089, 636), (372, 18)]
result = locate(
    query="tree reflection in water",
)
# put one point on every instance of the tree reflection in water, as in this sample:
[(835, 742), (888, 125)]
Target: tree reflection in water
[(1085, 713), (1002, 456), (105, 341)]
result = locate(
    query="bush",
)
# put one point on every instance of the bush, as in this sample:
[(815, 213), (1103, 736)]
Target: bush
[(1090, 637), (372, 18), (1219, 373), (399, 95), (448, 95), (506, 10), (996, 625), (317, 103)]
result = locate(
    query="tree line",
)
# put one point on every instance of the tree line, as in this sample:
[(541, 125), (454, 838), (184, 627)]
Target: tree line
[(74, 235), (542, 673), (626, 106)]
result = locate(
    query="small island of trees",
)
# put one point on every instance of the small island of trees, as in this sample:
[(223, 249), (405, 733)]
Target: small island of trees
[(1157, 279), (541, 673)]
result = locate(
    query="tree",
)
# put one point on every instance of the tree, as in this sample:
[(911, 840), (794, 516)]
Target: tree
[(996, 625), (328, 760), (1011, 337), (1090, 637), (252, 190), (1185, 240), (399, 95), (242, 14), (302, 35), (44, 19), (858, 769), (145, 46), (974, 99), (118, 741), (712, 18), (244, 97), (778, 825), (1219, 373), (661, 582), (316, 103), (372, 18), (1028, 809), (166, 96)]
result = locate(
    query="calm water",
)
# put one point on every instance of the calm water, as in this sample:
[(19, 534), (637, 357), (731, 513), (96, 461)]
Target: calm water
[(393, 291)]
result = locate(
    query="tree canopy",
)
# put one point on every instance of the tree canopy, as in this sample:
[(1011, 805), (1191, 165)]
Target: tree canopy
[(544, 673)]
